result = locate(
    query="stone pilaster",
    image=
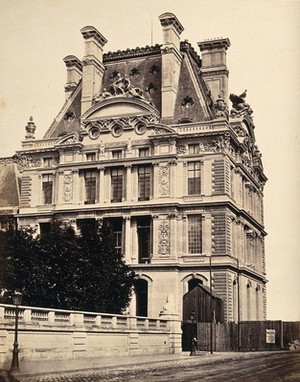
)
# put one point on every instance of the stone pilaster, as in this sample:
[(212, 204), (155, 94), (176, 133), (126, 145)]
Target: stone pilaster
[(101, 185), (128, 183), (76, 187), (207, 234), (128, 239)]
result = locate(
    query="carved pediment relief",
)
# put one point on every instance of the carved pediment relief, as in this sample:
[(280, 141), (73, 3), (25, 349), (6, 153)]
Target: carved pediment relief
[(163, 129), (116, 115), (69, 139)]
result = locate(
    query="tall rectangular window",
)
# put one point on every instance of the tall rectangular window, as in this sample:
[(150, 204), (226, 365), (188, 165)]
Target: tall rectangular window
[(144, 182), (116, 226), (117, 231), (47, 188), (90, 157), (144, 238), (194, 148), (45, 229), (47, 162), (90, 182), (195, 234), (116, 185), (194, 178), (144, 152), (117, 154)]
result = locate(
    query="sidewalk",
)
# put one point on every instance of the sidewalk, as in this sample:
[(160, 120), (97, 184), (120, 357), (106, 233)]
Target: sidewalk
[(39, 368), (35, 368)]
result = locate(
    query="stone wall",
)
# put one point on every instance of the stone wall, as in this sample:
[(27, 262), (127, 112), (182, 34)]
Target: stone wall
[(47, 334)]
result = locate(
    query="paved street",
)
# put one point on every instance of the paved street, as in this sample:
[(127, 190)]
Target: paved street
[(239, 367)]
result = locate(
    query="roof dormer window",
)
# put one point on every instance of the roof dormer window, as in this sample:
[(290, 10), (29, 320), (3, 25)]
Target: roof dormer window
[(187, 102)]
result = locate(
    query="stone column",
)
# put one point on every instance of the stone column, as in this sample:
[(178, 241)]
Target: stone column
[(107, 186), (101, 186), (206, 234), (75, 186), (134, 184), (206, 177), (57, 193), (184, 235), (155, 180), (128, 183), (173, 236), (173, 178), (154, 236), (128, 239), (134, 242)]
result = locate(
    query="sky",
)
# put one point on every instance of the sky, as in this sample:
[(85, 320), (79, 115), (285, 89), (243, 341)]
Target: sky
[(264, 58)]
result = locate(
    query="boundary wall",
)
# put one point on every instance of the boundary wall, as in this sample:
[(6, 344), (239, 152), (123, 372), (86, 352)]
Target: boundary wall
[(52, 334)]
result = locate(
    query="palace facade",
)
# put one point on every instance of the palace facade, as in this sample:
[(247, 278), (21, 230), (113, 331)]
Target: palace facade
[(146, 140)]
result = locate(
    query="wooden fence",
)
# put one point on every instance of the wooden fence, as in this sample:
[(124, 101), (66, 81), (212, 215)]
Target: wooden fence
[(245, 336)]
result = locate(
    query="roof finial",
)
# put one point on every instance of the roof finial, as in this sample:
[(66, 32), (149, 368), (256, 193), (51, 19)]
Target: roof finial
[(30, 129)]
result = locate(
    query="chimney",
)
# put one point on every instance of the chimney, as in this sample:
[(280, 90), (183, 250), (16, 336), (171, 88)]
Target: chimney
[(214, 70), (74, 74), (93, 67), (171, 62)]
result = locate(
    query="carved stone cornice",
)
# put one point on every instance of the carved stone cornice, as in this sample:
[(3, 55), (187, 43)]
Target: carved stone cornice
[(73, 62), (210, 72), (131, 53), (26, 161), (167, 19), (218, 43), (89, 32)]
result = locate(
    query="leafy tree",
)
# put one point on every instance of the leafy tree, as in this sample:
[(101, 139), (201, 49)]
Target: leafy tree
[(101, 260), (21, 267), (62, 270)]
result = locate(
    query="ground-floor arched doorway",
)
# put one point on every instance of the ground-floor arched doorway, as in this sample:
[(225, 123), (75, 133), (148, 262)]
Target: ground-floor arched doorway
[(141, 295)]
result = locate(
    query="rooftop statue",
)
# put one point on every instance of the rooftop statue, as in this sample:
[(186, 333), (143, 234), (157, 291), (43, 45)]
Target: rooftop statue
[(239, 106), (120, 87)]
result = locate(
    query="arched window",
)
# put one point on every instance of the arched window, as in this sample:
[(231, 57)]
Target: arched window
[(141, 292), (193, 283)]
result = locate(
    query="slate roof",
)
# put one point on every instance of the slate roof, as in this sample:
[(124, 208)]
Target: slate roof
[(143, 67), (9, 186)]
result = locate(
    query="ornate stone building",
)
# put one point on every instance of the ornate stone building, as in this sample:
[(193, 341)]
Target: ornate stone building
[(146, 139)]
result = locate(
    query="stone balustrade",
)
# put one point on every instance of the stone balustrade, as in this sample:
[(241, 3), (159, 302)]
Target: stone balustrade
[(64, 318), (47, 334)]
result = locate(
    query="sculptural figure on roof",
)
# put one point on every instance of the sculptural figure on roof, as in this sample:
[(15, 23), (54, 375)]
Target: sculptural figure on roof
[(239, 106), (120, 87)]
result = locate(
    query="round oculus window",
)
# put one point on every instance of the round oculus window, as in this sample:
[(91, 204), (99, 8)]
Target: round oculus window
[(94, 133), (140, 128), (117, 130)]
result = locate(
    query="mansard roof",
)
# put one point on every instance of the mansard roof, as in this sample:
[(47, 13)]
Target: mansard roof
[(9, 184), (68, 119), (143, 68)]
